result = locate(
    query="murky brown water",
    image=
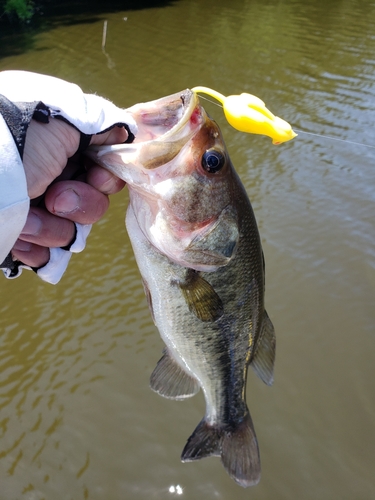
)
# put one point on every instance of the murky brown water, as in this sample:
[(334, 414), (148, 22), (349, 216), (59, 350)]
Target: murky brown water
[(77, 419)]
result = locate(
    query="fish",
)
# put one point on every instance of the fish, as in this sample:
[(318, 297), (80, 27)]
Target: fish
[(199, 253)]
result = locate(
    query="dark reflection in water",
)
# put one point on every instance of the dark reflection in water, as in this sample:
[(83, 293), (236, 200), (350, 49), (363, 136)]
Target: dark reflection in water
[(16, 38), (77, 419)]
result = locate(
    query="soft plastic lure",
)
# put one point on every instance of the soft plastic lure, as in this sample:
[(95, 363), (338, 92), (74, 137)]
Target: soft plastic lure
[(248, 113)]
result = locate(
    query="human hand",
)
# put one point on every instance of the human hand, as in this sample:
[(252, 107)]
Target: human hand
[(65, 198), (70, 192)]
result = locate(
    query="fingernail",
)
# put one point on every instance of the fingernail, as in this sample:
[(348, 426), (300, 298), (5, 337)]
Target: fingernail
[(22, 246), (33, 225), (66, 202)]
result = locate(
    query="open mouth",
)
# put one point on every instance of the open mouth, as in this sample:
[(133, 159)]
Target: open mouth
[(165, 117), (164, 127)]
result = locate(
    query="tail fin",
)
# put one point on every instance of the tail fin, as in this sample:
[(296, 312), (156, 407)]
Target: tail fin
[(237, 447), (204, 442), (240, 454)]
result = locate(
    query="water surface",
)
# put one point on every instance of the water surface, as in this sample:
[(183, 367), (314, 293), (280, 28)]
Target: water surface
[(77, 419)]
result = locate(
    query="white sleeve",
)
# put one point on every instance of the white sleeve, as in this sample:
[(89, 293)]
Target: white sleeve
[(14, 200)]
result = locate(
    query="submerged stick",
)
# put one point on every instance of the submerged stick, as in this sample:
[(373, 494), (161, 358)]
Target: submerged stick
[(104, 39)]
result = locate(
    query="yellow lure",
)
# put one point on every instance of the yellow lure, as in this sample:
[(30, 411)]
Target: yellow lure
[(248, 113)]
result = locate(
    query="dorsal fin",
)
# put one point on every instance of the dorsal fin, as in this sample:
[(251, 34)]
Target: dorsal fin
[(171, 381), (264, 357)]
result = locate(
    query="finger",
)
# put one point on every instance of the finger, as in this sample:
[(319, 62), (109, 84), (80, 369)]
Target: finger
[(30, 254), (76, 201), (103, 180), (47, 148), (117, 135), (73, 169), (47, 230)]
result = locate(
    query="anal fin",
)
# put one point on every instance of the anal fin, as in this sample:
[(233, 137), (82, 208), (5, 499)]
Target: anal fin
[(170, 381), (264, 357)]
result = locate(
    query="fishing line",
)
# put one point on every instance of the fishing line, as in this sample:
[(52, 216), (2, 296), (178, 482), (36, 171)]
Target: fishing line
[(335, 139), (308, 133), (209, 100)]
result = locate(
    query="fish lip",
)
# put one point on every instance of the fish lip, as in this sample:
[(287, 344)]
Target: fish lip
[(189, 101)]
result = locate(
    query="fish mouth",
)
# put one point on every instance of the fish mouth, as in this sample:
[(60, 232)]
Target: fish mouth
[(165, 117), (164, 126)]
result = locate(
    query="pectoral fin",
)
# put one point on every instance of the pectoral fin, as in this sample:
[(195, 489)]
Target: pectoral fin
[(171, 381), (201, 298), (264, 357)]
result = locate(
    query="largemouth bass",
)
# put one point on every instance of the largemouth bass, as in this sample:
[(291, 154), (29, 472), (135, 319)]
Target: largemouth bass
[(198, 249)]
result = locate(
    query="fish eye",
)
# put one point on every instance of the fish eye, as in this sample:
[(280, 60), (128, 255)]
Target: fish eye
[(213, 161)]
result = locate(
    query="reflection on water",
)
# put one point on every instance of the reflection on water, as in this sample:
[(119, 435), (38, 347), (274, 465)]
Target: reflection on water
[(77, 419)]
